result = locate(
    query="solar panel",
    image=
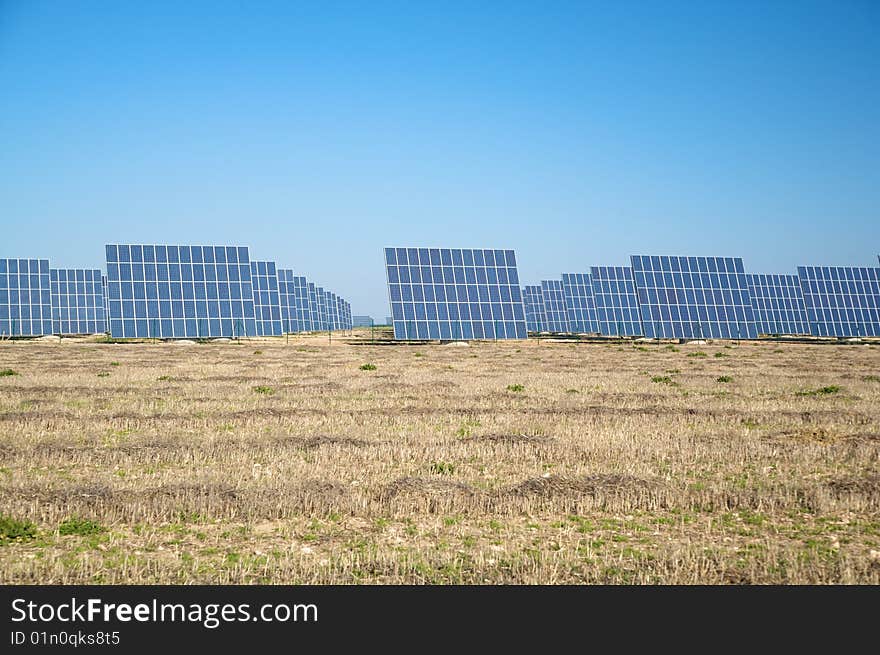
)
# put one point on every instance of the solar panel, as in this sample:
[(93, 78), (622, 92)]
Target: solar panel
[(617, 307), (443, 293), (693, 297), (267, 304), (25, 299), (533, 304), (77, 301), (332, 311), (106, 302), (314, 310), (580, 310), (778, 304), (323, 316), (173, 292), (553, 294), (841, 301)]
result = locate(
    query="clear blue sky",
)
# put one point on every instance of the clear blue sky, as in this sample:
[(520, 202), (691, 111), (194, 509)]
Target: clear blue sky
[(576, 133)]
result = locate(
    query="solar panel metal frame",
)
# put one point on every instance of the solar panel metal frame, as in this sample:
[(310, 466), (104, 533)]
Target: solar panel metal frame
[(454, 294), (841, 301), (580, 308), (616, 302), (25, 298), (778, 304), (693, 297), (170, 291), (555, 312), (77, 301), (267, 302)]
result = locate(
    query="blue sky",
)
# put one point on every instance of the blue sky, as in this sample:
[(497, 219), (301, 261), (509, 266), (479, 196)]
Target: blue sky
[(575, 133)]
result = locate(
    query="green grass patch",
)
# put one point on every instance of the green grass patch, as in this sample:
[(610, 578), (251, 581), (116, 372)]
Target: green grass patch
[(699, 353), (724, 378), (103, 374), (263, 389), (81, 527), (7, 372), (12, 529), (516, 388), (663, 379), (822, 391), (368, 367), (442, 468)]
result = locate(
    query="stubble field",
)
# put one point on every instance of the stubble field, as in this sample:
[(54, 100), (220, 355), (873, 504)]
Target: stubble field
[(524, 462)]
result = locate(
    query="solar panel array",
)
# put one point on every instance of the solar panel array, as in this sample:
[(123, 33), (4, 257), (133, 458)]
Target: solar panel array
[(170, 291), (25, 298), (267, 303), (553, 293), (693, 297), (617, 307), (778, 304), (842, 301), (444, 293), (580, 310), (533, 304), (77, 301)]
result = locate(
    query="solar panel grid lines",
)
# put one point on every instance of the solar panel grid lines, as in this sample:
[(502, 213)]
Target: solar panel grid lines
[(179, 291), (616, 303), (841, 301), (25, 298), (778, 304), (267, 302), (553, 294), (580, 309), (333, 322), (77, 301), (106, 303), (533, 304), (454, 293), (693, 297)]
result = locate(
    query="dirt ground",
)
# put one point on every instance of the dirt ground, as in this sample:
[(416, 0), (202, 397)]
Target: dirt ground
[(522, 462)]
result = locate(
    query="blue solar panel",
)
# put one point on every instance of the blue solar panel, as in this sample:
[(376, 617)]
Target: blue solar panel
[(580, 310), (533, 304), (442, 293), (693, 297), (172, 292), (314, 310), (841, 301), (77, 301), (293, 293), (778, 304), (267, 304), (333, 322), (323, 316), (555, 313), (25, 298), (617, 306)]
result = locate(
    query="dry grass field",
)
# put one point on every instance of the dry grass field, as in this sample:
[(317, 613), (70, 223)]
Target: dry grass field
[(525, 462)]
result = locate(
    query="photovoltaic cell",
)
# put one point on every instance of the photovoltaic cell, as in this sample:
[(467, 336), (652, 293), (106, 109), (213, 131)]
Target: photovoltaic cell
[(77, 301), (693, 297), (580, 310), (778, 304), (267, 304), (617, 307), (443, 293), (841, 301), (333, 322), (172, 292), (25, 298), (533, 304), (555, 313)]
